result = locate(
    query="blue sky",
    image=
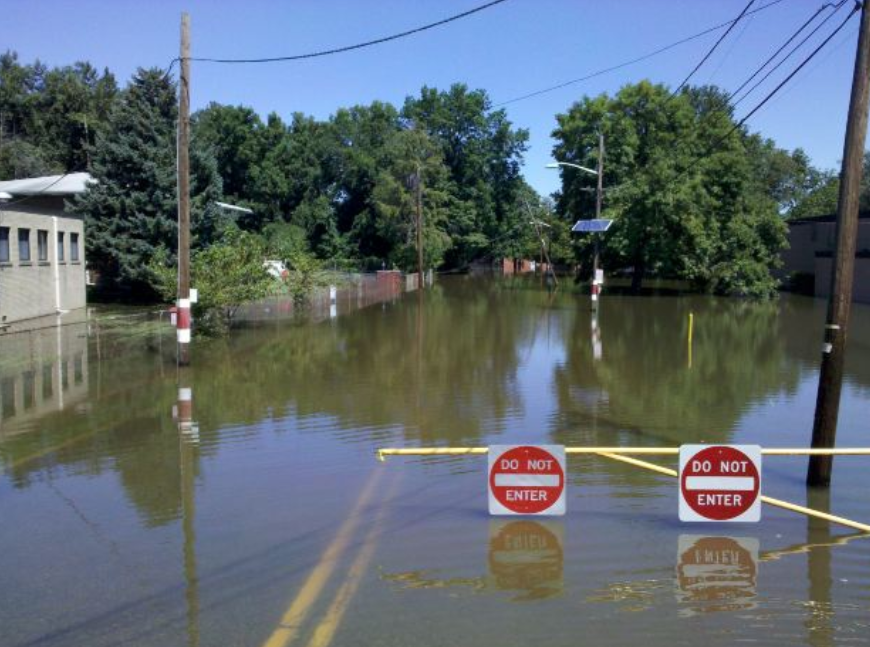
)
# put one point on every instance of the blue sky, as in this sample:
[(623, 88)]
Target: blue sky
[(509, 50)]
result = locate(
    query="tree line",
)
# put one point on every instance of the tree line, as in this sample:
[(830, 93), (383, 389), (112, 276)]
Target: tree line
[(692, 195)]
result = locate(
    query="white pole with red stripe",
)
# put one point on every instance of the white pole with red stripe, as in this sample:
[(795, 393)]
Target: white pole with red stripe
[(185, 319)]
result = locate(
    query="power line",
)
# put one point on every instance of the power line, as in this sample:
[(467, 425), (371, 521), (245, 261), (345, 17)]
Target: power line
[(628, 63), (782, 47), (799, 67), (348, 48), (713, 49), (769, 96), (786, 57), (694, 164)]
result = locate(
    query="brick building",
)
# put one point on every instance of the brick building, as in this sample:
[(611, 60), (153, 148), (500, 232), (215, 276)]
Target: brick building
[(42, 248)]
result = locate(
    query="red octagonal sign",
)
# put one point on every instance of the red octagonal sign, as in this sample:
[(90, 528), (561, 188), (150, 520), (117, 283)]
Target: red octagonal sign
[(527, 479), (720, 483)]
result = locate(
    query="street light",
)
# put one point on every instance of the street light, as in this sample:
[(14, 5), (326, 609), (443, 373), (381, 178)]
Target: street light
[(596, 282), (572, 165)]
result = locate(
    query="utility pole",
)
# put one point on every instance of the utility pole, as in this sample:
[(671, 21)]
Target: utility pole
[(843, 264), (598, 195), (419, 199), (184, 316)]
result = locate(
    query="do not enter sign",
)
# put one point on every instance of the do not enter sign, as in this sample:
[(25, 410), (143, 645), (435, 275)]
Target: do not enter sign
[(720, 483), (527, 479)]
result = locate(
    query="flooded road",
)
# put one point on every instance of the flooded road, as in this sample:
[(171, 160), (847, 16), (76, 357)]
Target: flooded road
[(259, 515)]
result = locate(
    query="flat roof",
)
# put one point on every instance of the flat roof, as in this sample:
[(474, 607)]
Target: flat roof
[(68, 184), (831, 217)]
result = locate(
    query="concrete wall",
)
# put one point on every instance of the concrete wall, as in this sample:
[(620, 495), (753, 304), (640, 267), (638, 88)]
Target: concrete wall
[(37, 288), (861, 286), (806, 238)]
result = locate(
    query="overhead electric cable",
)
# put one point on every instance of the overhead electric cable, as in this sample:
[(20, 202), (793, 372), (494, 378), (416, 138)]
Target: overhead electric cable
[(784, 45), (799, 67), (613, 68), (348, 48), (769, 96), (786, 57), (713, 49)]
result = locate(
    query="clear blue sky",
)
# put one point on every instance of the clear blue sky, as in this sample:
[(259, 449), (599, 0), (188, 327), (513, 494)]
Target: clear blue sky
[(511, 49)]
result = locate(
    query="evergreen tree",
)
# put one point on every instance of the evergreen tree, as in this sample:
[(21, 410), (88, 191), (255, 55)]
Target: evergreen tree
[(131, 210)]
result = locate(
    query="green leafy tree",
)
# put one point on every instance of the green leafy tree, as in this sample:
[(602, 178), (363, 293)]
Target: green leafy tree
[(227, 274), (414, 158), (681, 188)]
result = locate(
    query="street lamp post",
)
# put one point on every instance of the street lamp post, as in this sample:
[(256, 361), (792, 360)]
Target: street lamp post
[(601, 225)]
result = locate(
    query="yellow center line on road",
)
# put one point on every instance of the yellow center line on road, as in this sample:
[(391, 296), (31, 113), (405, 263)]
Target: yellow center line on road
[(325, 631), (292, 619)]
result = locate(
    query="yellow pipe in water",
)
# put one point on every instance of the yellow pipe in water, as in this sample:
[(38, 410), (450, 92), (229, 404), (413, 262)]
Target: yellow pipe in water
[(691, 330), (779, 503), (651, 451)]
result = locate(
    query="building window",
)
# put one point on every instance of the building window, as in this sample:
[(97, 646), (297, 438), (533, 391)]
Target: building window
[(29, 388), (73, 247), (47, 381), (78, 370), (60, 249), (42, 244), (23, 245), (7, 398), (4, 244)]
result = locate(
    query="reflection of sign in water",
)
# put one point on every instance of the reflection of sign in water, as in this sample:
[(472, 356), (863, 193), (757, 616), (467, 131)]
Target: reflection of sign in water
[(720, 483), (526, 556), (527, 479), (716, 573)]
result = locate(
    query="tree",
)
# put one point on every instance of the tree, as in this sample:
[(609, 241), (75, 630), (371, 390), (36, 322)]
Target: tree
[(414, 158), (228, 274), (58, 113), (131, 210), (681, 188), (483, 154)]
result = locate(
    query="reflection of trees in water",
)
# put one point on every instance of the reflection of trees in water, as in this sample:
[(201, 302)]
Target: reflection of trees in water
[(643, 383), (447, 377), (439, 377), (801, 324)]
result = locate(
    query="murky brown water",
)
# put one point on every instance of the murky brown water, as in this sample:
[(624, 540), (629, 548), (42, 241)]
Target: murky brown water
[(268, 520)]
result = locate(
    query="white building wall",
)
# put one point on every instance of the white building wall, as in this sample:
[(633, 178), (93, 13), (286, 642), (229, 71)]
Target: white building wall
[(37, 287)]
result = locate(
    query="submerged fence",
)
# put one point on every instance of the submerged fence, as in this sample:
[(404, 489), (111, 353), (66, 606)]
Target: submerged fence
[(351, 292)]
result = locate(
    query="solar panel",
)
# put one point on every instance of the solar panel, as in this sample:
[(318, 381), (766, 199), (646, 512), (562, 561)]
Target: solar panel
[(592, 226)]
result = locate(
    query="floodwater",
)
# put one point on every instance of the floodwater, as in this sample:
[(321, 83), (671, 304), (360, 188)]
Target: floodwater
[(262, 517)]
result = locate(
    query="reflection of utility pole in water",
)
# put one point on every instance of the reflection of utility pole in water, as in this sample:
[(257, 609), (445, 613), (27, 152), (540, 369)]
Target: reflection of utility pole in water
[(188, 434), (597, 350), (820, 632), (419, 351)]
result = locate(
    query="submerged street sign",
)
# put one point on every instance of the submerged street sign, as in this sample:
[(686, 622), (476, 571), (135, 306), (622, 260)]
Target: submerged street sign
[(527, 479), (595, 225), (720, 483)]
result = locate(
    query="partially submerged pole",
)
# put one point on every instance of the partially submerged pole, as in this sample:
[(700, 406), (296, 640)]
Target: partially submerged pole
[(184, 316), (843, 264)]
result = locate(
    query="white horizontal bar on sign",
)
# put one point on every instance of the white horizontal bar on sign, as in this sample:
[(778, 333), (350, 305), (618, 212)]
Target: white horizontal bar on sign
[(526, 480), (718, 483)]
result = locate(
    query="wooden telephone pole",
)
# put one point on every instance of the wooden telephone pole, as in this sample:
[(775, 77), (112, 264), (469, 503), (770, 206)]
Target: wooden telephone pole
[(184, 316), (419, 200), (843, 264), (598, 195)]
